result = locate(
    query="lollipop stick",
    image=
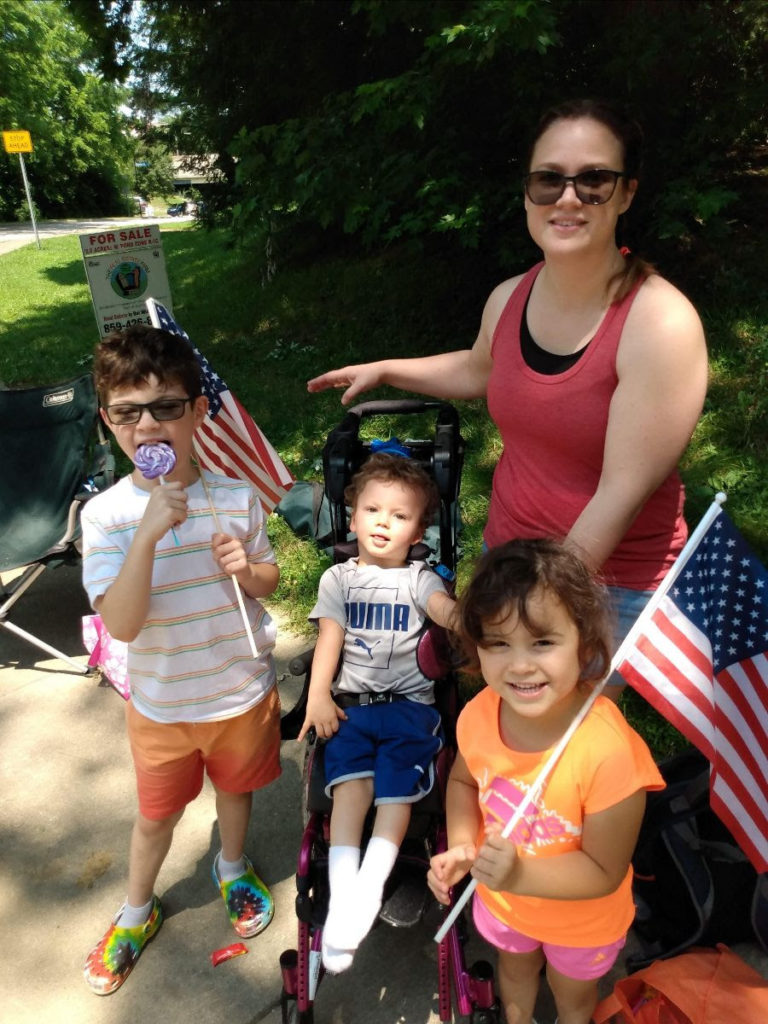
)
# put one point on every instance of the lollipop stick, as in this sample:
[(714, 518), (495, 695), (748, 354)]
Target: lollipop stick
[(161, 478), (238, 591)]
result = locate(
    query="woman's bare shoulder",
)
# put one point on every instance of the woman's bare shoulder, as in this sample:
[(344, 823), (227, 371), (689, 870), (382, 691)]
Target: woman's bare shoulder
[(661, 325), (659, 299), (497, 300)]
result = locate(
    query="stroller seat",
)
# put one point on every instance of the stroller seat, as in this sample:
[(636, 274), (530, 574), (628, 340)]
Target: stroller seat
[(406, 895)]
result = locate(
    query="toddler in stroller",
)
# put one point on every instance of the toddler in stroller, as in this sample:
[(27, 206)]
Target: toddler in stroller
[(410, 830)]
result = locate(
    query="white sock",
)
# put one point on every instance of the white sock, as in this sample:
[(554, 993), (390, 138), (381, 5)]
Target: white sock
[(380, 857), (229, 870), (343, 862), (132, 917)]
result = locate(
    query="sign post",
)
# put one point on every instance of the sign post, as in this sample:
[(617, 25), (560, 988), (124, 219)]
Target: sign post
[(21, 142), (125, 267)]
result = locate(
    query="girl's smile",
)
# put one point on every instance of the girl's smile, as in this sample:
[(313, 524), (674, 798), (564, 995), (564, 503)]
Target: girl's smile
[(534, 670)]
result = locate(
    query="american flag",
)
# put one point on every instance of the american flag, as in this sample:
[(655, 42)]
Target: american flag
[(229, 442), (699, 657)]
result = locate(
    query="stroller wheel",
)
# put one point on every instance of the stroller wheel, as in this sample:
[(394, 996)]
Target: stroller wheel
[(291, 1013), (485, 1016)]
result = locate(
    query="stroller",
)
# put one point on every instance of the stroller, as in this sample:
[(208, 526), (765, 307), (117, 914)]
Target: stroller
[(406, 896)]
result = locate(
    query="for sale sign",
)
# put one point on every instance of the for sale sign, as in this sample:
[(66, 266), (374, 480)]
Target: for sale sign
[(125, 267)]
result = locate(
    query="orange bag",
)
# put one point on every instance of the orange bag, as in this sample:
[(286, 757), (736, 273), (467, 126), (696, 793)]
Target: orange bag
[(703, 986)]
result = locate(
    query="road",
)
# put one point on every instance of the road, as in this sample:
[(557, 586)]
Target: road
[(14, 236)]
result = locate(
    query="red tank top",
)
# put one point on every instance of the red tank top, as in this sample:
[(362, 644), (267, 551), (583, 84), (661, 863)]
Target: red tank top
[(553, 429)]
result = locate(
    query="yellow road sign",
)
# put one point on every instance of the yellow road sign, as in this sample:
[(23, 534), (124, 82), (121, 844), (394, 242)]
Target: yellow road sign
[(17, 142)]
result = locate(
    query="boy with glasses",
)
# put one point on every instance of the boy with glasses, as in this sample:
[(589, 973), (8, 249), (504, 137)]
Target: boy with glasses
[(200, 702)]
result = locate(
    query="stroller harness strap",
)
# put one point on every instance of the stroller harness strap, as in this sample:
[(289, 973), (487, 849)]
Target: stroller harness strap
[(353, 700)]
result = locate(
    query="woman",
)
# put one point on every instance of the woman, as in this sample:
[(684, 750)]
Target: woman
[(594, 368)]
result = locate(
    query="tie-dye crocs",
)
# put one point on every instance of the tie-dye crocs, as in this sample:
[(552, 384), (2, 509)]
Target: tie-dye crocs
[(110, 963), (248, 901)]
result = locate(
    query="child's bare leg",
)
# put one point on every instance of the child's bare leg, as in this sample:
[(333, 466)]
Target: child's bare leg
[(519, 984), (150, 843), (351, 801), (234, 813), (575, 999)]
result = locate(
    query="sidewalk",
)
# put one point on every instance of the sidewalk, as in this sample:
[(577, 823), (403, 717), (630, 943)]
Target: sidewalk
[(65, 819)]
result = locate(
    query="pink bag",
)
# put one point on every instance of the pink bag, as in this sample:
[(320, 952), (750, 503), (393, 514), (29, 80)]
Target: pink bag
[(110, 656)]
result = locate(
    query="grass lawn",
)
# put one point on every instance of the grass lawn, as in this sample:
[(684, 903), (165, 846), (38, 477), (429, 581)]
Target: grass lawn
[(266, 338)]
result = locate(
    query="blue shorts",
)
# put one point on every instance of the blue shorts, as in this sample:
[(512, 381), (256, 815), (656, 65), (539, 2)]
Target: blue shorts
[(626, 606), (395, 744)]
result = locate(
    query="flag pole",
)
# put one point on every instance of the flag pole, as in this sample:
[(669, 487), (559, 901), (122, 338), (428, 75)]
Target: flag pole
[(152, 310), (238, 591), (534, 793)]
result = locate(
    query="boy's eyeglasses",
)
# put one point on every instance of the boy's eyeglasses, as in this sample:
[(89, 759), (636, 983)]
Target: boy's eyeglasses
[(124, 413), (593, 187)]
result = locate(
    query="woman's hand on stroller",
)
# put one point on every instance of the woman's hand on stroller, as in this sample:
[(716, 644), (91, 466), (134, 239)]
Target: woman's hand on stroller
[(446, 869), (356, 379), (323, 715)]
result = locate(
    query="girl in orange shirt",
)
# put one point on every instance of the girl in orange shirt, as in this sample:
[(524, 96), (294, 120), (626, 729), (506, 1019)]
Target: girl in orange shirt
[(558, 890)]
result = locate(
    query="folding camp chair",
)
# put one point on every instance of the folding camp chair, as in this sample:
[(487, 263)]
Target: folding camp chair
[(53, 457)]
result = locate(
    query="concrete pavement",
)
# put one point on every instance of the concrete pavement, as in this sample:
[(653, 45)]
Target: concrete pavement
[(66, 813), (65, 819)]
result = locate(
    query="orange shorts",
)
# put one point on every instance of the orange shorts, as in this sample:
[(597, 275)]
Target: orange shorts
[(239, 754)]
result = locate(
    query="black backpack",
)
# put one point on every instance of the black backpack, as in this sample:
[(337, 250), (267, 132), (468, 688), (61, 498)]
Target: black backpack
[(692, 884)]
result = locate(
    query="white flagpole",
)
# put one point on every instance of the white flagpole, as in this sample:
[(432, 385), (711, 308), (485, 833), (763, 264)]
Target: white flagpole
[(533, 794), (238, 591)]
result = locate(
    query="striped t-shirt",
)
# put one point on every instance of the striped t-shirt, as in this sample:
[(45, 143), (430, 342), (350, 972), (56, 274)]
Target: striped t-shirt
[(191, 661)]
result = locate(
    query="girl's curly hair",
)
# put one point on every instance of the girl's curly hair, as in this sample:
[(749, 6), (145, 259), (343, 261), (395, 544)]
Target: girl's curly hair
[(505, 579)]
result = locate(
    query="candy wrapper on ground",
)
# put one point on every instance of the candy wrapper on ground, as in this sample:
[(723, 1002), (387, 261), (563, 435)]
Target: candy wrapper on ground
[(220, 955)]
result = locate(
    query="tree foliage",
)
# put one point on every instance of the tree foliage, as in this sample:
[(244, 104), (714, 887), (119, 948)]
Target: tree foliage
[(80, 156), (384, 120)]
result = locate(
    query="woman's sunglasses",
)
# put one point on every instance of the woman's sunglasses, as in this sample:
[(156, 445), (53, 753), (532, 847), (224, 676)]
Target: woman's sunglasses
[(593, 187)]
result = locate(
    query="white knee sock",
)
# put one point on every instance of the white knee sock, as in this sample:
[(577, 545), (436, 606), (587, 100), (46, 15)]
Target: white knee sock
[(380, 857), (343, 863)]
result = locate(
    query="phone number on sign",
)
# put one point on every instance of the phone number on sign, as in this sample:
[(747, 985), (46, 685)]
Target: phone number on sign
[(118, 325)]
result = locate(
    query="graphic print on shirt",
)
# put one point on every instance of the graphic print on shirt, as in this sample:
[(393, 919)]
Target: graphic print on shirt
[(538, 827), (374, 618)]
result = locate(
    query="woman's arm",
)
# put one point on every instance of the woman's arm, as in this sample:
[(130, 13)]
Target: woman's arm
[(662, 369), (597, 869), (460, 374)]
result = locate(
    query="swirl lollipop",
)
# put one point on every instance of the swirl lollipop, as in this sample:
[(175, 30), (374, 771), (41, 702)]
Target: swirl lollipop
[(155, 461)]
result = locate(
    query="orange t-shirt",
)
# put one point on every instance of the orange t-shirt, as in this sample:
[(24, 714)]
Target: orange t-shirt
[(604, 762)]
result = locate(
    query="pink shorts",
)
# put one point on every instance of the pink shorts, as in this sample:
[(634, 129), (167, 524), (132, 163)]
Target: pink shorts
[(584, 963), (239, 754)]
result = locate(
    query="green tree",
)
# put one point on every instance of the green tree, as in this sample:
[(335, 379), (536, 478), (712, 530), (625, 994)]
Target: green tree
[(382, 121), (81, 157), (154, 170)]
